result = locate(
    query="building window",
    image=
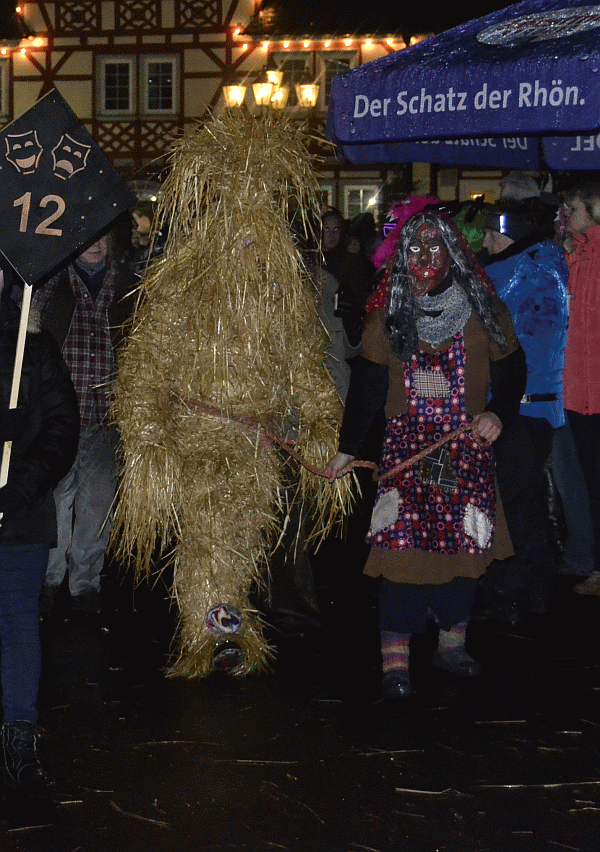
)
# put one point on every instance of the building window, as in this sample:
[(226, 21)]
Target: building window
[(331, 63), (159, 82), (357, 198), (147, 86), (117, 92), (325, 196), (295, 66)]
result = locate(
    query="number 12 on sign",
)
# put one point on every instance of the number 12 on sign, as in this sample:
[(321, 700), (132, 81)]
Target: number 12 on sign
[(43, 228)]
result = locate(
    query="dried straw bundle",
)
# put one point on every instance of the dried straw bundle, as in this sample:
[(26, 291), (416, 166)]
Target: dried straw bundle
[(227, 319)]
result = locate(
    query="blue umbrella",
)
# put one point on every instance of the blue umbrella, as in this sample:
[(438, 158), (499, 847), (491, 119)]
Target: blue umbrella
[(519, 88)]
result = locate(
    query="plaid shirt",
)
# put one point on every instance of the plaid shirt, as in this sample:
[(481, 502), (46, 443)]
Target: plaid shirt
[(87, 350)]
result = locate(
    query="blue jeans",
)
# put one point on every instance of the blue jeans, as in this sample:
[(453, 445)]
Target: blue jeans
[(22, 572), (83, 506)]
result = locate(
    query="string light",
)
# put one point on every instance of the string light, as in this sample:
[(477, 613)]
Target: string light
[(396, 42)]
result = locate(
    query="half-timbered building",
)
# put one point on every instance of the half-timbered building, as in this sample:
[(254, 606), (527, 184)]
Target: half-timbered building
[(138, 71)]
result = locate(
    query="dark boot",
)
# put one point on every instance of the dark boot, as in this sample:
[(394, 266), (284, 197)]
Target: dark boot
[(22, 768)]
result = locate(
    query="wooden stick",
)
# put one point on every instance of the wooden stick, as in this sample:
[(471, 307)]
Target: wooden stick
[(251, 423), (16, 379)]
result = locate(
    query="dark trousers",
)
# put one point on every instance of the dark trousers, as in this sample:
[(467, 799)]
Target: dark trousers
[(577, 538), (586, 435), (525, 579), (406, 607), (22, 572)]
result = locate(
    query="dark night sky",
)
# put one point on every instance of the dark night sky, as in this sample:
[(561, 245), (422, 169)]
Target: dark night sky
[(412, 17), (330, 17)]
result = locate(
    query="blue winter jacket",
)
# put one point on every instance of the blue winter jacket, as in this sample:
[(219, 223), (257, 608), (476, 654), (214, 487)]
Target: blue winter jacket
[(533, 285)]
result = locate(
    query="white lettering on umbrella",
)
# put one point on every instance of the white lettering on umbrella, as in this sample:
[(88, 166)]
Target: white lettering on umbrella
[(587, 144), (361, 106), (495, 99), (536, 95), (376, 108), (425, 102), (530, 96)]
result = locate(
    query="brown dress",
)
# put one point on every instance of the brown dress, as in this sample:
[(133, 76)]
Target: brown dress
[(420, 566)]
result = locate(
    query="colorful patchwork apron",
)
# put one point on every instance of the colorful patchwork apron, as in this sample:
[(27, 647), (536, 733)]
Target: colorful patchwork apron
[(446, 502)]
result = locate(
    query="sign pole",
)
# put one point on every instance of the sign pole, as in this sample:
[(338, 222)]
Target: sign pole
[(16, 379)]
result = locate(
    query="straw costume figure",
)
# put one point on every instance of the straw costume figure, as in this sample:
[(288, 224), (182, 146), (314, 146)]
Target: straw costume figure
[(226, 350)]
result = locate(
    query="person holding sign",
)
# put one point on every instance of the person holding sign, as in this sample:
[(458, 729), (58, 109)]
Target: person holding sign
[(60, 194), (41, 431)]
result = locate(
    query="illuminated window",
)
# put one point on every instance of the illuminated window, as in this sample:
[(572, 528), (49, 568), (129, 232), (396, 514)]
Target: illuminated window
[(357, 197), (294, 66), (331, 63)]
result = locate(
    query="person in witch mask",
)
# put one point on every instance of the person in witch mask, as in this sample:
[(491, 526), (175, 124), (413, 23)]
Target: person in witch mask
[(441, 354)]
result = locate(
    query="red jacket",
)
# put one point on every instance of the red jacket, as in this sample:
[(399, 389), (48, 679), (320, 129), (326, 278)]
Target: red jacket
[(581, 377)]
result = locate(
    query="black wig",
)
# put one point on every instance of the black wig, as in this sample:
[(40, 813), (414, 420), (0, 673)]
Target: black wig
[(402, 310)]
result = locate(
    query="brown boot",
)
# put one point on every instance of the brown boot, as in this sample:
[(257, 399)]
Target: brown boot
[(589, 586)]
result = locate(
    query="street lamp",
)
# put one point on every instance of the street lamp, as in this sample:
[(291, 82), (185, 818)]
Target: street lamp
[(307, 92), (234, 94), (263, 89), (280, 97), (269, 91), (274, 74)]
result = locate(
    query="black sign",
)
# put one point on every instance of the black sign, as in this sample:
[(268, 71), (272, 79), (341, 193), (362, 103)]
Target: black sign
[(58, 189)]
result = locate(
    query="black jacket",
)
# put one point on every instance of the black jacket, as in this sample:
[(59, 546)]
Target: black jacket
[(44, 430)]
